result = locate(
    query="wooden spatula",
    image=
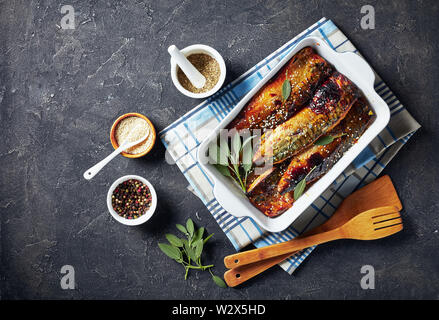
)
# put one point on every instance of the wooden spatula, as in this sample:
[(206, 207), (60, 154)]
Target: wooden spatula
[(379, 193)]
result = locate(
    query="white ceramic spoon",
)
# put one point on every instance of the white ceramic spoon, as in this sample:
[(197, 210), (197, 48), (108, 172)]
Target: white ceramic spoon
[(90, 173), (194, 76)]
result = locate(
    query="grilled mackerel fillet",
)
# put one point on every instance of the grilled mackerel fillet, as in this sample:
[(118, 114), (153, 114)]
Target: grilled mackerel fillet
[(348, 132), (330, 104), (305, 71)]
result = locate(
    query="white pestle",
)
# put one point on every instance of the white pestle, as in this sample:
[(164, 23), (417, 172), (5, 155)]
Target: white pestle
[(194, 76)]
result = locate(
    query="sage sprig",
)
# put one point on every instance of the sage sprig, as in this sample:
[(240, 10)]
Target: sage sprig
[(187, 251), (235, 163), (325, 140), (300, 187)]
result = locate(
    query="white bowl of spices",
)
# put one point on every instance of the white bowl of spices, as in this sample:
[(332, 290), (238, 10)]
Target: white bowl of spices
[(122, 130), (131, 200), (208, 62)]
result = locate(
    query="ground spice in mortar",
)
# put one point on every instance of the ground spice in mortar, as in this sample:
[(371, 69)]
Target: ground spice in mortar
[(207, 66), (131, 199), (124, 131)]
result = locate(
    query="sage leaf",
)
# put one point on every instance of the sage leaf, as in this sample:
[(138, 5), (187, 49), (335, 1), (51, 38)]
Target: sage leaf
[(218, 156), (300, 187), (190, 227), (190, 252), (213, 153), (198, 248), (198, 235), (247, 155), (171, 251), (224, 151), (236, 147), (247, 140), (323, 141), (174, 240), (247, 167), (181, 228), (224, 170), (219, 282), (286, 89)]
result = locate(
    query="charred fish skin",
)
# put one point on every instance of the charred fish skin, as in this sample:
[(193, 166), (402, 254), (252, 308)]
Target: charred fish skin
[(324, 157), (329, 106), (265, 196), (303, 163), (305, 71)]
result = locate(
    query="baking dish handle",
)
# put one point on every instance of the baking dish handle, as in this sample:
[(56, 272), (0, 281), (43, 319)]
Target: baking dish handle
[(361, 66)]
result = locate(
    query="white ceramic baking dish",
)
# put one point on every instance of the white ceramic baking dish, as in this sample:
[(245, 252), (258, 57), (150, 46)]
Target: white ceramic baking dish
[(231, 197)]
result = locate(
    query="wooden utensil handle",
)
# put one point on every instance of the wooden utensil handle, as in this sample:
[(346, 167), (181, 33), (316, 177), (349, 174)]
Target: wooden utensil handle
[(243, 258), (239, 275), (236, 276)]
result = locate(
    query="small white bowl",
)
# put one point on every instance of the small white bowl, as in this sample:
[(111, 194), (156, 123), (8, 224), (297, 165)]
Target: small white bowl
[(199, 48), (143, 218)]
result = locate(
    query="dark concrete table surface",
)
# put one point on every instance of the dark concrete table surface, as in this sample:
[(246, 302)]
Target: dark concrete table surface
[(60, 91)]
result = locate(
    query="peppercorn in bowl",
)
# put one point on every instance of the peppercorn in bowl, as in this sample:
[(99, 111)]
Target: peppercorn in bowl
[(131, 200)]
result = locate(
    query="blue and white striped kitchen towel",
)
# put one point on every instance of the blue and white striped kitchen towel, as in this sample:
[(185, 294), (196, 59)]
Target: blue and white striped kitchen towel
[(183, 137)]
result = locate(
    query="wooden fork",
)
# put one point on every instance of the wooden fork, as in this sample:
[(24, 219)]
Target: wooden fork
[(379, 193), (369, 225)]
